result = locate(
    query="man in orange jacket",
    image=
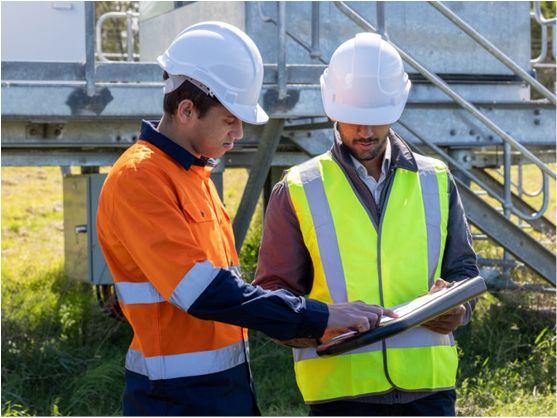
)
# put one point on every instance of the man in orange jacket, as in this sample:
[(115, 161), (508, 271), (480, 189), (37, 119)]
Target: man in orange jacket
[(168, 241)]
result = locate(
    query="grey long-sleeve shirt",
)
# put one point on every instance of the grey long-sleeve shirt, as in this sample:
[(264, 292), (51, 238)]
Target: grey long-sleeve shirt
[(284, 261)]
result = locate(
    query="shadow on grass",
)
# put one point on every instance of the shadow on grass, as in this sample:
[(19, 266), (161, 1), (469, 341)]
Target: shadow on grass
[(273, 373), (60, 354)]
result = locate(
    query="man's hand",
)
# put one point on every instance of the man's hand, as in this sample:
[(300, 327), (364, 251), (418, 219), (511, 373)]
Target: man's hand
[(449, 321), (357, 316)]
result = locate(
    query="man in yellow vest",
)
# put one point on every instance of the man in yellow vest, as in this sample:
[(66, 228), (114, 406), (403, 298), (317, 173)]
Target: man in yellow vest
[(370, 220)]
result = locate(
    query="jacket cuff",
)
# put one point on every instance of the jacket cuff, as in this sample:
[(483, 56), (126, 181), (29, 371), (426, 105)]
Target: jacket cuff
[(467, 315), (316, 316)]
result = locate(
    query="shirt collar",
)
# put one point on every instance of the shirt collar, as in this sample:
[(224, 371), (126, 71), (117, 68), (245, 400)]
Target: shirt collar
[(186, 159)]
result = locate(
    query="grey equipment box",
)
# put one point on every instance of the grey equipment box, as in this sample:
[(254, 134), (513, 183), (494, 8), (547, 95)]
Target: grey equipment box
[(84, 260)]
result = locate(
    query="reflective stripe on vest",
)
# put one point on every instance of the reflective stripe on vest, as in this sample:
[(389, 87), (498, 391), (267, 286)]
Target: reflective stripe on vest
[(187, 364), (351, 261)]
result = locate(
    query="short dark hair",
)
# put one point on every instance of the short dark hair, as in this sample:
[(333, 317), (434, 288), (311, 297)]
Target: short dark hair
[(187, 90)]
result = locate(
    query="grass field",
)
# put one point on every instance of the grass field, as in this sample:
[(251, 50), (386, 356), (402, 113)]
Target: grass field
[(62, 356)]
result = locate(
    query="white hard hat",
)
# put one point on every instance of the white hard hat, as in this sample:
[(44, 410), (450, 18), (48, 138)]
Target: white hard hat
[(226, 60), (365, 83)]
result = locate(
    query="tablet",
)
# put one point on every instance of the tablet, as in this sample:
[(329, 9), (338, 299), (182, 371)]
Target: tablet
[(411, 314)]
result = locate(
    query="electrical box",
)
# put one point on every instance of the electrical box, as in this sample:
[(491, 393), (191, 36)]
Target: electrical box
[(84, 260)]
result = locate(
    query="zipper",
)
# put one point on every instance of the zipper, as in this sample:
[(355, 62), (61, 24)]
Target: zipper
[(385, 194)]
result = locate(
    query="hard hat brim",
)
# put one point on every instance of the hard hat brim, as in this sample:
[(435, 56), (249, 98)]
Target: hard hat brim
[(386, 115), (254, 115)]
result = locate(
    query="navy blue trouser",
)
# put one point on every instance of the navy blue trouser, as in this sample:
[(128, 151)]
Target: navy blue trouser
[(218, 394), (439, 404)]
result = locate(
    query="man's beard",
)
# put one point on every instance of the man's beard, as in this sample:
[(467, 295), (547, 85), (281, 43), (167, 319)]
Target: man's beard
[(380, 144)]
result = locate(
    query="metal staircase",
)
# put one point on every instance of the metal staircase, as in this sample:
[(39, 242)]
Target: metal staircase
[(497, 226)]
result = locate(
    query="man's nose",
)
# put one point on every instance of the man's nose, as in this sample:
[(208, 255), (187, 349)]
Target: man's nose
[(365, 131), (237, 131)]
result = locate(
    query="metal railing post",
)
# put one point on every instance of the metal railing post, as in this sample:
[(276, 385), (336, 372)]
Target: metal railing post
[(129, 33), (520, 185), (381, 19), (507, 202), (266, 18), (315, 52), (89, 48), (281, 59)]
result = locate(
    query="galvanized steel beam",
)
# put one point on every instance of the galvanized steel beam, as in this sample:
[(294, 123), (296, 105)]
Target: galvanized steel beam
[(270, 138)]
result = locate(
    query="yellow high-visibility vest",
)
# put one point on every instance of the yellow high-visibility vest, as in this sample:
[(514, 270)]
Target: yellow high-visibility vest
[(386, 264)]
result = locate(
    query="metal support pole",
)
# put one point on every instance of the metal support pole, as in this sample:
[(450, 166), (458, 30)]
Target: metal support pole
[(315, 52), (262, 160), (129, 32), (90, 48), (381, 19), (508, 203), (520, 185), (281, 59)]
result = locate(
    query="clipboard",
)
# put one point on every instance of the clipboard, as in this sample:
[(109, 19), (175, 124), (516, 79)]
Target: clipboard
[(411, 315)]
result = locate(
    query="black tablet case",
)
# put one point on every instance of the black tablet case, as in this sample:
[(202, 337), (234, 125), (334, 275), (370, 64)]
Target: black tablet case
[(458, 293)]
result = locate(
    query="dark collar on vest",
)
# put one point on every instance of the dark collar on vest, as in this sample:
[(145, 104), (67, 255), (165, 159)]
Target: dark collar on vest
[(401, 154), (182, 156)]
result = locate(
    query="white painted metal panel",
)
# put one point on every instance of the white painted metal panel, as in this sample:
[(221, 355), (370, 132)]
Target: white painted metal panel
[(43, 31), (162, 26)]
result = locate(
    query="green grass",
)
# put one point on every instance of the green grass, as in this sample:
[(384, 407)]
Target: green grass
[(62, 356)]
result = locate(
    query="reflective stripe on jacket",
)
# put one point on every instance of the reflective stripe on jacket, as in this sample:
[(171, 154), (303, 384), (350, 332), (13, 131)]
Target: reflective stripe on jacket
[(355, 259)]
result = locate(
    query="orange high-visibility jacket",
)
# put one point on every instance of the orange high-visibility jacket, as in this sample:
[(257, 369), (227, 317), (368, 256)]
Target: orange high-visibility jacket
[(168, 242)]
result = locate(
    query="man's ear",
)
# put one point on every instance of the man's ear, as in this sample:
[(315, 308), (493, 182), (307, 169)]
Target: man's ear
[(185, 111)]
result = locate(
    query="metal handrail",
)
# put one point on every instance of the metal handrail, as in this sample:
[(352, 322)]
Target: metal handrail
[(544, 23), (439, 83), (492, 49), (281, 59), (543, 51), (129, 15), (539, 15), (520, 188), (308, 48), (489, 190)]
